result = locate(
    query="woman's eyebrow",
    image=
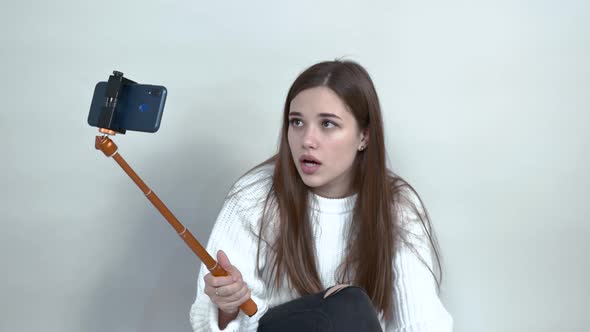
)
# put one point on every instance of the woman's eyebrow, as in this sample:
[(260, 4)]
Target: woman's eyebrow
[(329, 115), (321, 115)]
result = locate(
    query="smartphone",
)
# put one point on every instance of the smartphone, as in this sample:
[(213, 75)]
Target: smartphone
[(139, 106)]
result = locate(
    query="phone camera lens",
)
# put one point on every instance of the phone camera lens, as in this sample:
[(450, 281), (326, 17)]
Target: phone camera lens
[(155, 92)]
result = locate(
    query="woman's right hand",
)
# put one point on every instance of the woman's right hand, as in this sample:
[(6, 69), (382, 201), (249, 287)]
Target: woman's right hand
[(228, 292)]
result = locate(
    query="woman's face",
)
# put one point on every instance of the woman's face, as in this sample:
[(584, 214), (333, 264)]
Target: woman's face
[(324, 139)]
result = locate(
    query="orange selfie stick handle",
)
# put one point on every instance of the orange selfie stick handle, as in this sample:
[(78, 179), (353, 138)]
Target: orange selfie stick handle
[(109, 148)]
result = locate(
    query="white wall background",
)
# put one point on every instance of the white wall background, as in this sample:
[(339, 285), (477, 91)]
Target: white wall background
[(486, 107)]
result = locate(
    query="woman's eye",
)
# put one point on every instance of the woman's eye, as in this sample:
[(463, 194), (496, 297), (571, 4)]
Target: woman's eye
[(328, 124), (296, 122)]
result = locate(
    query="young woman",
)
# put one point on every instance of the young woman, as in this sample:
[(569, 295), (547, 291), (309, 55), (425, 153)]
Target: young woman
[(324, 211)]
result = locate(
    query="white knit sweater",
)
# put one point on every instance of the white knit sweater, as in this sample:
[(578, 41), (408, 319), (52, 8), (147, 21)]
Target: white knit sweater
[(418, 307)]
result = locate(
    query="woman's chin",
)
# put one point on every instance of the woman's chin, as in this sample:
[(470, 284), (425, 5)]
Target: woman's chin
[(310, 181)]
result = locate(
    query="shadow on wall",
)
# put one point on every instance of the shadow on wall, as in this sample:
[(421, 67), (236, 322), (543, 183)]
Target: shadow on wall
[(151, 284)]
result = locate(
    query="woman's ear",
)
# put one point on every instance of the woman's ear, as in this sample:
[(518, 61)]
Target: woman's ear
[(364, 140), (365, 136)]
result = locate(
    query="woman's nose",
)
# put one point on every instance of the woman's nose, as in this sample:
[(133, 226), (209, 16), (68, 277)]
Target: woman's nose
[(310, 138)]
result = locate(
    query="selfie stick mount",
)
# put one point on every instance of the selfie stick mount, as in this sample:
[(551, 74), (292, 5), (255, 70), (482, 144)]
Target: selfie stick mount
[(109, 119), (110, 149)]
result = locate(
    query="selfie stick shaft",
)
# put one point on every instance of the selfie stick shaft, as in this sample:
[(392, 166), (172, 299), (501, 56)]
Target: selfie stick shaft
[(109, 148)]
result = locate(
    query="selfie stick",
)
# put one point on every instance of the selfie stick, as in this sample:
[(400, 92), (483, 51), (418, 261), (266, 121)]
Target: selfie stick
[(109, 148)]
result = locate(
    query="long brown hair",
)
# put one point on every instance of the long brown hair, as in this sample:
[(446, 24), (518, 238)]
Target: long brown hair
[(375, 233)]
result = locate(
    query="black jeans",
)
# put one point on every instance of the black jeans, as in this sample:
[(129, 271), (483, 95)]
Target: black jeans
[(347, 310)]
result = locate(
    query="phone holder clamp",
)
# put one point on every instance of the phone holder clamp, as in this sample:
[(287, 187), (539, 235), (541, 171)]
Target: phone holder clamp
[(108, 121)]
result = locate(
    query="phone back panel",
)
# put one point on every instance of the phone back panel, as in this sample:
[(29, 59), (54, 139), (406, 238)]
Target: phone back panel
[(140, 106)]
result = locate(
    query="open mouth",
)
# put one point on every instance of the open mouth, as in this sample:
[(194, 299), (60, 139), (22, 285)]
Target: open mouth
[(310, 163)]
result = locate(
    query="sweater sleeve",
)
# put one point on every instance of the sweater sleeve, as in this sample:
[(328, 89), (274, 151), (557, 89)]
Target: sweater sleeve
[(417, 305), (232, 234)]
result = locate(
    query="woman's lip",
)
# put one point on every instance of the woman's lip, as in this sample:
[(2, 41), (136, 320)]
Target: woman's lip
[(304, 158), (307, 169)]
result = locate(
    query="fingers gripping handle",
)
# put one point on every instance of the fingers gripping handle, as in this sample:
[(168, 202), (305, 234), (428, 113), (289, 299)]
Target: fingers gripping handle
[(249, 307)]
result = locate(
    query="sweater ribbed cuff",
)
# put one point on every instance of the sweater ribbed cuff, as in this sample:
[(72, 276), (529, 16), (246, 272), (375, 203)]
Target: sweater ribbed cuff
[(242, 323)]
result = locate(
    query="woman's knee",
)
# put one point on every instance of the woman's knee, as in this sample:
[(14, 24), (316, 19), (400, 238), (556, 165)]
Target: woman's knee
[(350, 293), (335, 289), (350, 299), (350, 307)]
